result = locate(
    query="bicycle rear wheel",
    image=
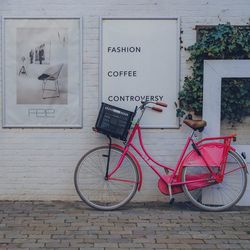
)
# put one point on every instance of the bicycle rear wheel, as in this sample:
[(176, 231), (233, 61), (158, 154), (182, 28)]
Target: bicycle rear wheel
[(219, 196), (95, 190)]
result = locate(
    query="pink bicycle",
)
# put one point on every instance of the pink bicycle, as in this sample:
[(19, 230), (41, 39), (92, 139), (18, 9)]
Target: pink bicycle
[(211, 174)]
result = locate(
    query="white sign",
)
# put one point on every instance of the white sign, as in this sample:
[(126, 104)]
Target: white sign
[(42, 72), (140, 62)]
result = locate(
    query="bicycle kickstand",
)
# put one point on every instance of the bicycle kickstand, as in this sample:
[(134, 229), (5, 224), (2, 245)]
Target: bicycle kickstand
[(171, 198), (107, 168)]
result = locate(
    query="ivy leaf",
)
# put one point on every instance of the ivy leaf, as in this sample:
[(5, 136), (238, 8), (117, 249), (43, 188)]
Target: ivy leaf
[(223, 41)]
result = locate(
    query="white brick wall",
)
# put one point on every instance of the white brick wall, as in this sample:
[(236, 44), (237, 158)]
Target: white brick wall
[(39, 163)]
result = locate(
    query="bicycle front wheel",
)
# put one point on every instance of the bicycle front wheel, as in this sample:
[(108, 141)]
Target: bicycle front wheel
[(219, 196), (98, 192)]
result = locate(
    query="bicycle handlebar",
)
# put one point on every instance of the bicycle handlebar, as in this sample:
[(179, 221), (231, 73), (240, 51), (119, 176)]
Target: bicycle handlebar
[(144, 105), (156, 109), (163, 104)]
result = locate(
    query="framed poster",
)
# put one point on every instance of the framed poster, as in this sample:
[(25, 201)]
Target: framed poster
[(42, 64), (140, 62)]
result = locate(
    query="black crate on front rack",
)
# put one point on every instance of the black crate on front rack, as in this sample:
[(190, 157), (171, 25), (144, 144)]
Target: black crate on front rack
[(114, 121)]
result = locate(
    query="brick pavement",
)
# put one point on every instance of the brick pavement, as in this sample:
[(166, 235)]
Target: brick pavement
[(71, 225)]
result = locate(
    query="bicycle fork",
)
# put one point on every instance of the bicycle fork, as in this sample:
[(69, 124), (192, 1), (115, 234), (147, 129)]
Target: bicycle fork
[(107, 174)]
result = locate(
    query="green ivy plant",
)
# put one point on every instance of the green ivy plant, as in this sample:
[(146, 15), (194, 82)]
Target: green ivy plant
[(223, 41)]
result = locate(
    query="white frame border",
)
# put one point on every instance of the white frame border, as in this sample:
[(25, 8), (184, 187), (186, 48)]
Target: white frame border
[(214, 71), (80, 125)]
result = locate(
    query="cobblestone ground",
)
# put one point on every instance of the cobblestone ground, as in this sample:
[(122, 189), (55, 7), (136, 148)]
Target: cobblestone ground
[(71, 225)]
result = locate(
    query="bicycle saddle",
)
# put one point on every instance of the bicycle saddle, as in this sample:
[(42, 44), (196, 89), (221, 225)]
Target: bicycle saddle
[(196, 124)]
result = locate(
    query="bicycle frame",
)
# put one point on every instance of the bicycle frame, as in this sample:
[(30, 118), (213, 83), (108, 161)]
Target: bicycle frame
[(107, 177), (175, 178)]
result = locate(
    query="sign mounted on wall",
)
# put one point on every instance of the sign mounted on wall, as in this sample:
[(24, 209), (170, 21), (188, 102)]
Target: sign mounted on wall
[(140, 62), (42, 72)]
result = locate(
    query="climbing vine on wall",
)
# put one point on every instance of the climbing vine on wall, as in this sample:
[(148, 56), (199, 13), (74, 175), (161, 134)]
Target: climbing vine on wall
[(223, 41)]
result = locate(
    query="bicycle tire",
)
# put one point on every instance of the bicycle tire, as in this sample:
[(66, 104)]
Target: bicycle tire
[(220, 196), (101, 194)]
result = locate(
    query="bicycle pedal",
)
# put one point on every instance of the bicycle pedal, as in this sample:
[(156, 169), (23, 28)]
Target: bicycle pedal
[(171, 202)]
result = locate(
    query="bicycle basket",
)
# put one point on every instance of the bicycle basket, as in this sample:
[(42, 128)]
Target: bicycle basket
[(114, 121)]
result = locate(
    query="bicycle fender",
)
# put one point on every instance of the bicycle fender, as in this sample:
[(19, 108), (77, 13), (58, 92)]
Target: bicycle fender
[(212, 152), (136, 163)]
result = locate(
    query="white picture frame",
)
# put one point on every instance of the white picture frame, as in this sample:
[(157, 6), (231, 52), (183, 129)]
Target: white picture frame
[(214, 71), (151, 62), (42, 72)]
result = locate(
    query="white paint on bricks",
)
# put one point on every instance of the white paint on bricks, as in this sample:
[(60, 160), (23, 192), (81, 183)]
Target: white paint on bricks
[(38, 164)]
